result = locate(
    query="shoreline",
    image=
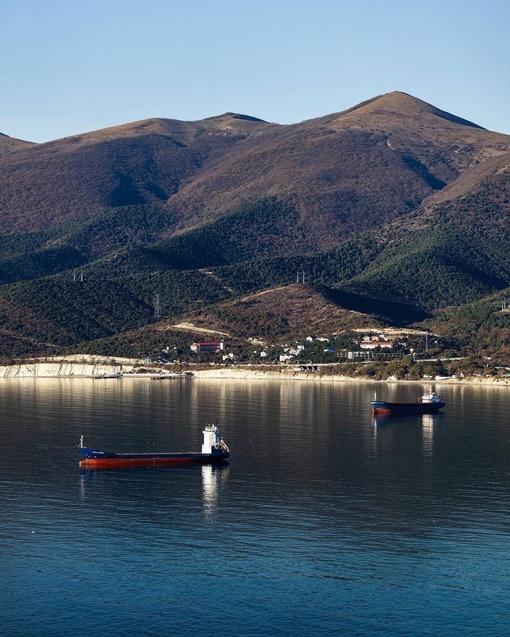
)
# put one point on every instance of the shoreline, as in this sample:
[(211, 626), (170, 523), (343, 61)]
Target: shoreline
[(218, 374), (106, 368)]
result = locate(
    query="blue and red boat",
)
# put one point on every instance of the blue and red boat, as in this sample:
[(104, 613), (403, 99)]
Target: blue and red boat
[(214, 449), (427, 403)]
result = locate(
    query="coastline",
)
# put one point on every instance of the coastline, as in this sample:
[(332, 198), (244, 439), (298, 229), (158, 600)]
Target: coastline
[(95, 367), (242, 374)]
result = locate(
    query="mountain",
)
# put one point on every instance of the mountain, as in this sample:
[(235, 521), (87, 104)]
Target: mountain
[(393, 210), (46, 185), (346, 172), (343, 173)]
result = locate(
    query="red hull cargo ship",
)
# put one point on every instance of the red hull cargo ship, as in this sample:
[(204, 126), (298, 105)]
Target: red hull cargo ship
[(214, 449), (428, 403)]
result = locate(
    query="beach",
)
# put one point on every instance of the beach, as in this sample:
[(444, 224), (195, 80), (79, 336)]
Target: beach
[(97, 367)]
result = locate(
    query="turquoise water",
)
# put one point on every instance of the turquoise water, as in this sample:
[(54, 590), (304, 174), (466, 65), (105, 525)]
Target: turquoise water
[(323, 523)]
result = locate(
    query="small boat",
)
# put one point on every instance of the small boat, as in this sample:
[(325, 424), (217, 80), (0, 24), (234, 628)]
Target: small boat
[(428, 403), (104, 376), (214, 449)]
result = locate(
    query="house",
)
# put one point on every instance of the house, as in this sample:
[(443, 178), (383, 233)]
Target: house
[(208, 347), (369, 342)]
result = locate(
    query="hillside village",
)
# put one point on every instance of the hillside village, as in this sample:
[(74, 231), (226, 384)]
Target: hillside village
[(371, 347), (393, 356)]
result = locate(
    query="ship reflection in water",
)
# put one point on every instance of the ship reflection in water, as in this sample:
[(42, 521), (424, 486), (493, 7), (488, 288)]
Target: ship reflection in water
[(429, 427), (427, 420), (213, 478)]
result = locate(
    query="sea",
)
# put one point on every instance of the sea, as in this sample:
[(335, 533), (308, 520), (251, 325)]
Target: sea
[(323, 522)]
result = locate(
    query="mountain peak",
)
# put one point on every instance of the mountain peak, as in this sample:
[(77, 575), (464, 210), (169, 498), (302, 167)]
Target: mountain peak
[(402, 103), (235, 122), (246, 118)]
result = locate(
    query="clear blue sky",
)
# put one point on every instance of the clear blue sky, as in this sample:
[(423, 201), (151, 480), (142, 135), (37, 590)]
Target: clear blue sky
[(68, 67)]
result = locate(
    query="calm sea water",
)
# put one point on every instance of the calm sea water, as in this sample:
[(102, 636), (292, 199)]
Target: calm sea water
[(323, 523)]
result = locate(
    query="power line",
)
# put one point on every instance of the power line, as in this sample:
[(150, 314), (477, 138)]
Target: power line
[(157, 307)]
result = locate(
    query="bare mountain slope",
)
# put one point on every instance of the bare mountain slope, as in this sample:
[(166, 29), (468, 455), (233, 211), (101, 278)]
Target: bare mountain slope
[(11, 144), (493, 173), (45, 185), (343, 173)]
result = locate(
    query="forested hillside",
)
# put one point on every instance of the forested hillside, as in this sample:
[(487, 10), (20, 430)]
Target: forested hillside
[(391, 213)]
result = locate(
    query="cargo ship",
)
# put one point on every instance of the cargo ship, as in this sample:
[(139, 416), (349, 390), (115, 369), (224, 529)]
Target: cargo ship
[(214, 449), (427, 403)]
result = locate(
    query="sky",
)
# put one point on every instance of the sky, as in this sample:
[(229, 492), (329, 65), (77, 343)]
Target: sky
[(69, 67)]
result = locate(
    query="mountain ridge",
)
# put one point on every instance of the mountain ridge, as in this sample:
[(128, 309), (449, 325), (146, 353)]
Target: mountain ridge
[(366, 203)]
